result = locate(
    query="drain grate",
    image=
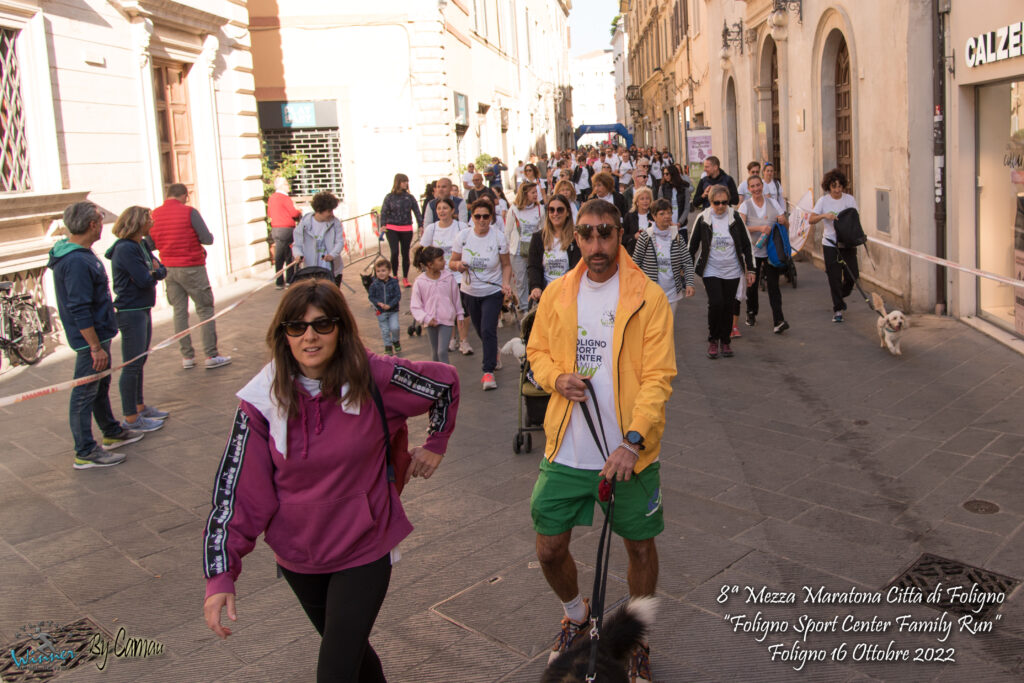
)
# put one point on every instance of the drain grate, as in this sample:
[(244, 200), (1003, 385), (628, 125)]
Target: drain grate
[(963, 588), (45, 650), (981, 507)]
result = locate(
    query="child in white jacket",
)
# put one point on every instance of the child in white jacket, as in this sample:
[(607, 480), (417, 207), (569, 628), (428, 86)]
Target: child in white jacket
[(436, 300)]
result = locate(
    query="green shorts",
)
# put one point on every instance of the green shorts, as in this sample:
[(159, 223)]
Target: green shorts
[(564, 497)]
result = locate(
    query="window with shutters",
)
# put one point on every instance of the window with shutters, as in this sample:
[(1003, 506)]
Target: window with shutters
[(15, 175)]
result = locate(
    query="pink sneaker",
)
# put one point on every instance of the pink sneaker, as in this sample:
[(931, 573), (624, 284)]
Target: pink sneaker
[(713, 350)]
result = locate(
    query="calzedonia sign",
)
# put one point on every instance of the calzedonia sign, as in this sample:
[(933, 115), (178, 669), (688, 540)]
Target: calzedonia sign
[(1005, 42)]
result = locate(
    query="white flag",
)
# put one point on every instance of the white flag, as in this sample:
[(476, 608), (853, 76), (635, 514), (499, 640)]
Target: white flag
[(799, 224)]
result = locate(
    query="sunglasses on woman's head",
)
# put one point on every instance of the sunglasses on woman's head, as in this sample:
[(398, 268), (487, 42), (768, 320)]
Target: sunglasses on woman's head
[(297, 328), (603, 230), (482, 216), (722, 202)]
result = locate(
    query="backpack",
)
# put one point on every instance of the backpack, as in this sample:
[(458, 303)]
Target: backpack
[(780, 254), (849, 232)]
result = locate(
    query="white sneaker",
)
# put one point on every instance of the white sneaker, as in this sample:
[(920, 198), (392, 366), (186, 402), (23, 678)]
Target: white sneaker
[(465, 349), (188, 363), (217, 362), (453, 345)]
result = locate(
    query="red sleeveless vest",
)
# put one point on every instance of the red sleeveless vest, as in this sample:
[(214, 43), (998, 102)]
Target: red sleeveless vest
[(174, 236)]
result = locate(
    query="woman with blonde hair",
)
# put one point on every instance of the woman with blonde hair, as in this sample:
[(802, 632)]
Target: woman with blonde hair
[(553, 251), (638, 218), (568, 190), (135, 273), (525, 217)]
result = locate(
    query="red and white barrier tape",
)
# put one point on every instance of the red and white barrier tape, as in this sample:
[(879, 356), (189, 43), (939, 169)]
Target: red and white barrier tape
[(81, 381)]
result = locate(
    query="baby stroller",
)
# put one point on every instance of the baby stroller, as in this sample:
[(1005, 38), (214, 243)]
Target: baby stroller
[(533, 401)]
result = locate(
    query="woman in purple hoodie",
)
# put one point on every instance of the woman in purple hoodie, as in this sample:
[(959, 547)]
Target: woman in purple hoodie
[(305, 466)]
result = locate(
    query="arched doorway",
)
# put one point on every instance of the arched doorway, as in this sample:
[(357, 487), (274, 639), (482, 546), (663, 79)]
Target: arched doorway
[(837, 105), (768, 98), (731, 144)]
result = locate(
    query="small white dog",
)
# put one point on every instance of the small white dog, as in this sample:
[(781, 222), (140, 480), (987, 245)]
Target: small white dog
[(516, 348), (890, 325)]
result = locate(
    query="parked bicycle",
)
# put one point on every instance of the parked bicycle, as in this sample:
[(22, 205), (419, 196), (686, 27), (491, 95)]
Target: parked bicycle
[(21, 332)]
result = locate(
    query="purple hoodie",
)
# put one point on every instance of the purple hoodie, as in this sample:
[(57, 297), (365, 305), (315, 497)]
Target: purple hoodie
[(315, 485)]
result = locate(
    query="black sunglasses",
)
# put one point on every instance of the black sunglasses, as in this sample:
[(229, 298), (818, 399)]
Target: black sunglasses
[(481, 216), (556, 209), (603, 230), (297, 328), (721, 203)]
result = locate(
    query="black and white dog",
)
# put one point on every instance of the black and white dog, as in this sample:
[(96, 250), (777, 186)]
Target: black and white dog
[(619, 635)]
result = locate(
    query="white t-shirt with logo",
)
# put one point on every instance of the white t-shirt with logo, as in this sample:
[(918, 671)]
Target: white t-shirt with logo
[(442, 238), (595, 312), (826, 204), (757, 216), (663, 250), (722, 261), (481, 256), (556, 262), (626, 169)]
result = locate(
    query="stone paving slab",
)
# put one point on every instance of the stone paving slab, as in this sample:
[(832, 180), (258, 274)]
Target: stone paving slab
[(812, 458)]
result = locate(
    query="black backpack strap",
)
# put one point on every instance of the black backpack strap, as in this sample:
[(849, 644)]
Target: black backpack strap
[(387, 433)]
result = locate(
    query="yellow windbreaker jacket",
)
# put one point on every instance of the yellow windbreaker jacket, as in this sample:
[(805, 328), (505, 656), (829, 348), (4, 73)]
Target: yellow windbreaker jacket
[(643, 353)]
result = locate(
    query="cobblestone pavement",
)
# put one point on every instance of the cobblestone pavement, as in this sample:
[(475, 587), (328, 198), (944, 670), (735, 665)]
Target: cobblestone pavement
[(812, 458)]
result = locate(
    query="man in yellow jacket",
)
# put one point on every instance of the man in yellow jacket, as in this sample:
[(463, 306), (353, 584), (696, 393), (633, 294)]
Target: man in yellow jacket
[(606, 322)]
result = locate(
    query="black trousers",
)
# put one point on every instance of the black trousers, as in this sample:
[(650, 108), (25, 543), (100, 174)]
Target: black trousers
[(483, 311), (283, 253), (342, 607), (840, 284), (771, 274), (399, 240), (721, 303)]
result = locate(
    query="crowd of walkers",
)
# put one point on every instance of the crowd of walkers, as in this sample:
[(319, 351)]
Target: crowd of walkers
[(590, 237)]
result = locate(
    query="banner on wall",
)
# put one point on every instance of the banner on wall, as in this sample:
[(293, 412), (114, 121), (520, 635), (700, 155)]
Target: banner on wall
[(800, 227), (698, 145)]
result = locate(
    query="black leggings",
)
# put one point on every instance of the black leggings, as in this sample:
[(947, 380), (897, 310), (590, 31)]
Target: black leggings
[(399, 239), (721, 300), (840, 282), (343, 607)]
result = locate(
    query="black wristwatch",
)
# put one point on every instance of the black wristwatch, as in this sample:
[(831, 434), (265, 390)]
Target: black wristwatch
[(635, 438)]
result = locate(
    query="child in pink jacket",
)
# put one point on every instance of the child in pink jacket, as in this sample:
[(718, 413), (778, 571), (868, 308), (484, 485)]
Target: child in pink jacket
[(436, 300)]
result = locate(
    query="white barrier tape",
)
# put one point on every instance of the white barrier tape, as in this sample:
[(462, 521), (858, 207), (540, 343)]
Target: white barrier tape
[(949, 264), (82, 381), (939, 261)]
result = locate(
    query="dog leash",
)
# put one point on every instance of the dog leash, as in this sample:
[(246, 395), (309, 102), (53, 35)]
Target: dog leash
[(856, 282), (604, 545)]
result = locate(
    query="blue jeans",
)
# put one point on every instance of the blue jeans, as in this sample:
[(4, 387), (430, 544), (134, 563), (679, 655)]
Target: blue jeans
[(89, 401), (484, 312), (388, 321), (136, 333)]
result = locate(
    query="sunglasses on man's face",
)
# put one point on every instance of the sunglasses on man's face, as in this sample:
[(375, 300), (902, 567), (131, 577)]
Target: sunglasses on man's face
[(721, 202), (603, 230), (297, 328), (482, 216)]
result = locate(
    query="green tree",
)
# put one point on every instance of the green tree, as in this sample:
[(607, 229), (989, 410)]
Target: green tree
[(615, 23), (286, 166)]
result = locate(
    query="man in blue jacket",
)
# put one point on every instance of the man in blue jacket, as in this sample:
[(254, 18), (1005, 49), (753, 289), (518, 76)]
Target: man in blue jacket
[(87, 313)]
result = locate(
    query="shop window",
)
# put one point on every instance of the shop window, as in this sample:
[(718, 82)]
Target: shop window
[(322, 149), (15, 176), (1000, 232)]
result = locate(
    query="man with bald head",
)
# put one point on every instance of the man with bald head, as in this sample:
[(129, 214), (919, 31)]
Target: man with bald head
[(443, 190), (478, 190)]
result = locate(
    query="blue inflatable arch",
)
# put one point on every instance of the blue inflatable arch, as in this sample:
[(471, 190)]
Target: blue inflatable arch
[(605, 128)]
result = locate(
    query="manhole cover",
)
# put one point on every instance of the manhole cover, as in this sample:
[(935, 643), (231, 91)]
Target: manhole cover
[(963, 589), (981, 507), (45, 649)]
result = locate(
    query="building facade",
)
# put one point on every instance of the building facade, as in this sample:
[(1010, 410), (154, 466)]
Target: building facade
[(420, 88), (114, 100), (620, 67), (593, 91)]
